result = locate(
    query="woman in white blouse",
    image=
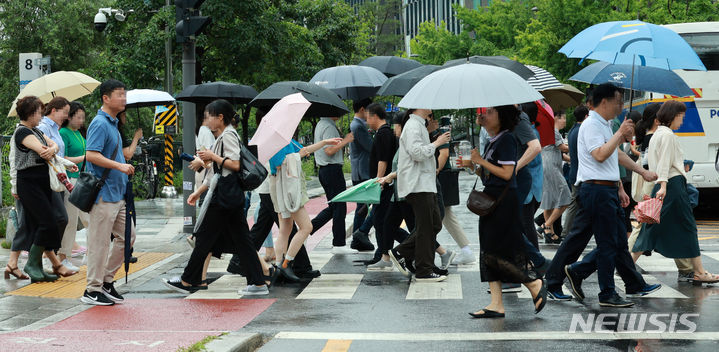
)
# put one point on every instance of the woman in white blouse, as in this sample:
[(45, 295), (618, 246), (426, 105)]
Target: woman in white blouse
[(676, 235)]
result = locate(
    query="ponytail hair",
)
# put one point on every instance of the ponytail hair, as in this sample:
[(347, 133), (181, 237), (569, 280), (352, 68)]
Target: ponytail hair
[(222, 107)]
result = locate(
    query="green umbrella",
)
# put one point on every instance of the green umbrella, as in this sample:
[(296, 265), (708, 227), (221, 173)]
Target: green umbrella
[(366, 192)]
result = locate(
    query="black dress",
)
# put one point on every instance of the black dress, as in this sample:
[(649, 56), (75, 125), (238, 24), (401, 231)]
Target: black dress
[(502, 255)]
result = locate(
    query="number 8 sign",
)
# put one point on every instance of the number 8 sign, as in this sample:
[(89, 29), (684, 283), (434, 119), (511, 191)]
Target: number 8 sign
[(28, 69)]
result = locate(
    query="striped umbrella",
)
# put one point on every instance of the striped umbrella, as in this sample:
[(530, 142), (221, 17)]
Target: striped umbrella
[(542, 79)]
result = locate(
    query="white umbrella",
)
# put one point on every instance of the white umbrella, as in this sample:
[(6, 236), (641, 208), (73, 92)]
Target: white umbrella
[(70, 85), (138, 98), (469, 86)]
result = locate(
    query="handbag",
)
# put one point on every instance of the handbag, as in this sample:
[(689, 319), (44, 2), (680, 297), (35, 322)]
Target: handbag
[(230, 193), (88, 186), (649, 210), (482, 203)]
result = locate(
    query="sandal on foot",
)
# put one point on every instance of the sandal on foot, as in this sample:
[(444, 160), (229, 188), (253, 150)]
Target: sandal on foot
[(542, 294), (16, 272), (705, 278), (487, 313), (56, 271)]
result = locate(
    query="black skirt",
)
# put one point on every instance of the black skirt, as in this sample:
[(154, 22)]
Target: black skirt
[(33, 188), (502, 254)]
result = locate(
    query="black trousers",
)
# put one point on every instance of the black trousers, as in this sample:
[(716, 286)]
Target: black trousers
[(381, 211), (229, 228), (333, 182), (421, 243), (265, 219), (391, 230)]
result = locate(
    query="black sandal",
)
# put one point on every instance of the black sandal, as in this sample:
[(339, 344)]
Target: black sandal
[(487, 314), (542, 294), (272, 277), (550, 237)]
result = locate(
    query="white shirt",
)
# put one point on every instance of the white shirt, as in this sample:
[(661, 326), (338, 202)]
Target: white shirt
[(205, 138), (594, 132), (665, 154), (416, 170)]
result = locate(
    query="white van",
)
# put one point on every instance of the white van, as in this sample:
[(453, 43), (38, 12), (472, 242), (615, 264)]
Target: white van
[(699, 134)]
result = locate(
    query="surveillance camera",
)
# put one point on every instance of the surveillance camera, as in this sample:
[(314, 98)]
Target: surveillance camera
[(120, 15), (100, 21)]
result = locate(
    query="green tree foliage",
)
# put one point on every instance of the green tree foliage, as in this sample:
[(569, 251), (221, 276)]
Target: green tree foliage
[(532, 31), (252, 42)]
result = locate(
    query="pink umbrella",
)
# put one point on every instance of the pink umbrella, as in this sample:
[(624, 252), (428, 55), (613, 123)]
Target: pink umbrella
[(279, 125)]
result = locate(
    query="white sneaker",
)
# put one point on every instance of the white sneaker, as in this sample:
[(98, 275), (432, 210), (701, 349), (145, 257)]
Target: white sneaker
[(381, 265), (343, 250), (252, 290), (464, 258), (69, 265), (447, 259)]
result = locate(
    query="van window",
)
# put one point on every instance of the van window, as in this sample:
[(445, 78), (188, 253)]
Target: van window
[(706, 46)]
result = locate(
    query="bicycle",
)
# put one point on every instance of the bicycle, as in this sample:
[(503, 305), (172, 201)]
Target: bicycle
[(146, 178)]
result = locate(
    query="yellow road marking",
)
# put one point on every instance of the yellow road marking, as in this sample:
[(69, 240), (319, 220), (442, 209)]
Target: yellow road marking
[(708, 238), (74, 286), (337, 346)]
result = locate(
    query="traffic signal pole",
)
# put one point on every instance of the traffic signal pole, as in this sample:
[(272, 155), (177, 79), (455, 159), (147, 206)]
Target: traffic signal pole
[(188, 25), (188, 133)]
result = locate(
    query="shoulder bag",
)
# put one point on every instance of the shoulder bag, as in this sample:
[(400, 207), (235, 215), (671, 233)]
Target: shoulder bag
[(88, 186), (484, 204)]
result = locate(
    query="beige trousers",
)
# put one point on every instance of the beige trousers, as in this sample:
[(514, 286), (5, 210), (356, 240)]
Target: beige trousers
[(73, 213), (105, 257), (451, 223)]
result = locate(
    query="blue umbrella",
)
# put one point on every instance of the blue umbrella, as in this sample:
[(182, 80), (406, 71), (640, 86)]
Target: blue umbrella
[(646, 78), (633, 42)]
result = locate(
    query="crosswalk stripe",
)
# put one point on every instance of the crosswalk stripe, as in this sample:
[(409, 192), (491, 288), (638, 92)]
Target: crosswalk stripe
[(332, 286), (665, 292), (223, 288), (451, 288)]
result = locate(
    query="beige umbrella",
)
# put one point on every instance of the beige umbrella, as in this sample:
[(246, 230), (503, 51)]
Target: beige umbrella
[(562, 98), (68, 84)]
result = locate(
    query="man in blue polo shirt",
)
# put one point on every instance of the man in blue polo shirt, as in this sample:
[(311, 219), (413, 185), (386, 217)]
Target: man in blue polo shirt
[(105, 256)]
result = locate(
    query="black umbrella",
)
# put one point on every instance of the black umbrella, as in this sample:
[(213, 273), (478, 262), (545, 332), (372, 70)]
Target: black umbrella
[(401, 84), (129, 221), (350, 81), (325, 103), (390, 65), (207, 92), (500, 61)]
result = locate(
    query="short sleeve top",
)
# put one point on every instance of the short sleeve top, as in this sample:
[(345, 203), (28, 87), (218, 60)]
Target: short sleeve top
[(501, 150)]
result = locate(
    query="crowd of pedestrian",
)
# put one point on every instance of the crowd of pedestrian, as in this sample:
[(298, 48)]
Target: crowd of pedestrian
[(408, 154)]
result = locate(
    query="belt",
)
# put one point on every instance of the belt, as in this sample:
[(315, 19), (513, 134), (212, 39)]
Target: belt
[(603, 182)]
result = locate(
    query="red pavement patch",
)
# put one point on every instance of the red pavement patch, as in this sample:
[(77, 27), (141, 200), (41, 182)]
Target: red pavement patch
[(140, 325)]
